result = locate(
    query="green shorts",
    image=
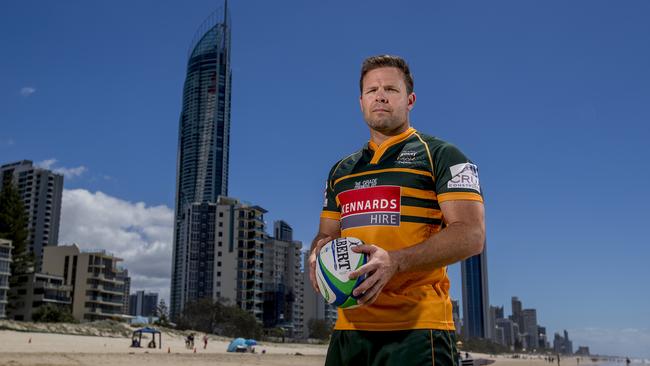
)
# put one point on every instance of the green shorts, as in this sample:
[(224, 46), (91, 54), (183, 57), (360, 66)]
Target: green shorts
[(401, 348)]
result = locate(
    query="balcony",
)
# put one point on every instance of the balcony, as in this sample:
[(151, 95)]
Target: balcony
[(108, 278), (53, 299), (53, 286), (105, 301), (103, 312), (116, 290)]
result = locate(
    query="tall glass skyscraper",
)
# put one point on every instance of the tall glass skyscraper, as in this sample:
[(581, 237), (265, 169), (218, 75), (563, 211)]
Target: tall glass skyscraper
[(203, 145), (476, 301)]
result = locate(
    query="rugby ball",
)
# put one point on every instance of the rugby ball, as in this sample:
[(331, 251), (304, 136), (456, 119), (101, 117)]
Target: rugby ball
[(334, 262)]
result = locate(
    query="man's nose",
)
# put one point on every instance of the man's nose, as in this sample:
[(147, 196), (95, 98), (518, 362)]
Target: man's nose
[(380, 96)]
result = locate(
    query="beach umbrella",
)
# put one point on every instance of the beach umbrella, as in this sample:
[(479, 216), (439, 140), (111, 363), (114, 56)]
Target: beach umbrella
[(251, 342)]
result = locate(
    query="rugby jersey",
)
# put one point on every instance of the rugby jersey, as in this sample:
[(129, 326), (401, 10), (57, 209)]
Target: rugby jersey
[(389, 196)]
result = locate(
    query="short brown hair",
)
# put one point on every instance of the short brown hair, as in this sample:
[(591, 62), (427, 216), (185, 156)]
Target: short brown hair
[(376, 62)]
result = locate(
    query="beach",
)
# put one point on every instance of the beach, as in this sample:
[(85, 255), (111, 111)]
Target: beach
[(45, 349), (32, 348)]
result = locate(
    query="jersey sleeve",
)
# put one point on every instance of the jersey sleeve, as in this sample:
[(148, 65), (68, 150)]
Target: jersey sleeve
[(456, 176), (331, 209)]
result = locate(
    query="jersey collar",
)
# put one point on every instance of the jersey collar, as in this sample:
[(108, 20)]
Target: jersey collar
[(379, 150)]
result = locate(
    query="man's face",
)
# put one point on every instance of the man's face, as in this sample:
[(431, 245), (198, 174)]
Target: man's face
[(384, 100)]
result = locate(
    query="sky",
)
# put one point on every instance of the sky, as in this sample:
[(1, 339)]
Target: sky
[(551, 99)]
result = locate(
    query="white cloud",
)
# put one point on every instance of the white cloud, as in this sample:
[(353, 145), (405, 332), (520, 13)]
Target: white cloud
[(628, 342), (140, 235), (46, 164), (67, 172), (27, 91)]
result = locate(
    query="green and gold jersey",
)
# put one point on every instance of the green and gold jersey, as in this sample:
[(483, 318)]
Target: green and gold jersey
[(389, 196)]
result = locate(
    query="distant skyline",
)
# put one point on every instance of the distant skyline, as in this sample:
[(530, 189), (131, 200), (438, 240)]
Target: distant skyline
[(550, 99)]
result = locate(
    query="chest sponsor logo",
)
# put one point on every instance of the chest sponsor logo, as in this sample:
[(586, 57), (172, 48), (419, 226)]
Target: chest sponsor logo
[(464, 176), (373, 206), (406, 157)]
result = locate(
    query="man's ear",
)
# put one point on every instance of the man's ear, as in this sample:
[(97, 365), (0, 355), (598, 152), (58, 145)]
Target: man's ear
[(411, 101)]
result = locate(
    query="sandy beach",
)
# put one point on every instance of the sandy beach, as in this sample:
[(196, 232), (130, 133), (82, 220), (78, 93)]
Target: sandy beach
[(31, 348), (26, 348)]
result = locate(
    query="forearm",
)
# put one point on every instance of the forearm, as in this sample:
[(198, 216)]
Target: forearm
[(454, 243)]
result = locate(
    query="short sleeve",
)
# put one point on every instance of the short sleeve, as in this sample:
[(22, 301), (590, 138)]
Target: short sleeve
[(456, 176), (331, 209)]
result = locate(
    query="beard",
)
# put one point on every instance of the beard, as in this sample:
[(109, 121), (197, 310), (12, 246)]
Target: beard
[(385, 124)]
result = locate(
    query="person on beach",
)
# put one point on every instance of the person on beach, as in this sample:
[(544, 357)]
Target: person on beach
[(205, 341), (416, 202)]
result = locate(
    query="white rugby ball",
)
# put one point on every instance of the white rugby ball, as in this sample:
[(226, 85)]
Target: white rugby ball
[(334, 262)]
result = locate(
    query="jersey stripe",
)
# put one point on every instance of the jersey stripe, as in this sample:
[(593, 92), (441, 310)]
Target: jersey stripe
[(421, 212), (421, 220), (419, 202), (467, 196), (428, 152), (419, 193), (387, 170), (330, 215)]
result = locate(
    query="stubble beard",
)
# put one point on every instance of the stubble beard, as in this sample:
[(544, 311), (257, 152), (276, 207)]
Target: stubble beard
[(388, 125)]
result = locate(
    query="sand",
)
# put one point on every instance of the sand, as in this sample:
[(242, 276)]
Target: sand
[(24, 348), (45, 349)]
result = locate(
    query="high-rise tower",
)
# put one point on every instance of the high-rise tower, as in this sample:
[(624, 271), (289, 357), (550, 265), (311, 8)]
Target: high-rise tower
[(203, 144), (41, 191), (475, 296)]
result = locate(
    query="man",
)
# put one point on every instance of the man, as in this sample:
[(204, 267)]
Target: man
[(435, 219)]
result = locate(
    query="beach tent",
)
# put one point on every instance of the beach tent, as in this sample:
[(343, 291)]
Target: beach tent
[(152, 331), (251, 342), (237, 343)]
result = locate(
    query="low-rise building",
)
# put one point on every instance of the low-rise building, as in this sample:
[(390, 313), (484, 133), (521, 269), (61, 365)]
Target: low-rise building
[(34, 290), (98, 284)]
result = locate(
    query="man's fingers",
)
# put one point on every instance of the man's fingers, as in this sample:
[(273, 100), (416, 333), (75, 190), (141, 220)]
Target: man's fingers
[(312, 278), (312, 272), (321, 242), (372, 299), (366, 248), (366, 285), (368, 267), (370, 293), (373, 292)]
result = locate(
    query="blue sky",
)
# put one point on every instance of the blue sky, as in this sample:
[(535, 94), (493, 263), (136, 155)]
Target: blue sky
[(550, 99)]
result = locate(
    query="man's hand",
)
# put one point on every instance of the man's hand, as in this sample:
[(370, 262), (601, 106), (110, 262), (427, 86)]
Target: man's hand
[(312, 260), (381, 267)]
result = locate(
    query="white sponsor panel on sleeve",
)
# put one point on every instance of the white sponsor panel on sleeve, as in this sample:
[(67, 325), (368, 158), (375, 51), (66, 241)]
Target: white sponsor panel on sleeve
[(464, 176), (325, 196)]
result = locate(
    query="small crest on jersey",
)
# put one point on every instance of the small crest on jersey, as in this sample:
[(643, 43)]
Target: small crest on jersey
[(464, 176), (365, 183), (406, 157)]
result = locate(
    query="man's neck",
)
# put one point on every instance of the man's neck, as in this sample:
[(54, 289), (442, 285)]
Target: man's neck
[(378, 137)]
